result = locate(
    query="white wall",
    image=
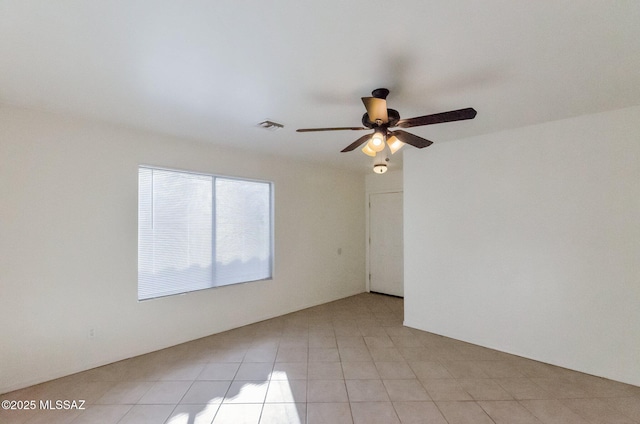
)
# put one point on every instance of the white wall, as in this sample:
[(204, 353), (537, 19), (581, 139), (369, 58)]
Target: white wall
[(68, 245), (380, 183), (528, 241)]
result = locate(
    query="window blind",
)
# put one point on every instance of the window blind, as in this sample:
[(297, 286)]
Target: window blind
[(201, 231)]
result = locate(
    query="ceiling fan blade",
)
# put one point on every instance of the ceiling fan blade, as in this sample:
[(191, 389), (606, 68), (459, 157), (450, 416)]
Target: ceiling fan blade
[(411, 139), (376, 109), (356, 143), (331, 129), (438, 118)]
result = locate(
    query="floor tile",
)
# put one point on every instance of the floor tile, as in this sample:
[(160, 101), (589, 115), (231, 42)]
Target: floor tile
[(206, 392), (366, 391), (484, 389), (354, 353), (600, 387), (596, 411), (394, 370), (126, 392), (445, 389), (322, 341), (254, 371), (219, 371), (508, 412), (186, 372), (323, 354), (102, 414), (53, 417), (498, 369), (238, 414), (360, 370), (418, 413), (16, 416), (350, 341), (400, 331), (385, 354), (89, 391), (300, 341), (372, 329), (346, 330), (378, 341), (147, 414), (246, 392), (629, 406), (464, 369), (405, 390), (193, 414), (281, 413), (374, 413), (329, 413), (321, 326), (292, 354), (406, 341), (230, 355), (294, 391), (261, 355), (429, 370), (326, 391), (558, 388), (522, 388), (325, 371), (534, 369), (463, 413), (552, 411), (414, 354), (165, 392), (289, 371)]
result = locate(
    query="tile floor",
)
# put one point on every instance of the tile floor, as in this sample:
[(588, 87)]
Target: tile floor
[(349, 361)]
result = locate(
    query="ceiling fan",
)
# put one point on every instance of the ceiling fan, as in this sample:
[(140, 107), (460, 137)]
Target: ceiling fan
[(380, 119)]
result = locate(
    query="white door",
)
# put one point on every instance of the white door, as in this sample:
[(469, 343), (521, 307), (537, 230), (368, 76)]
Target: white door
[(386, 263)]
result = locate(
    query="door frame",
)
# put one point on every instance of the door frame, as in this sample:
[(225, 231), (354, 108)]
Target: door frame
[(367, 275)]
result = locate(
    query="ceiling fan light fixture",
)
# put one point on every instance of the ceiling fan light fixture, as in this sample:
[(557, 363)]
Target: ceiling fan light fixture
[(394, 144), (376, 143), (368, 151), (380, 168)]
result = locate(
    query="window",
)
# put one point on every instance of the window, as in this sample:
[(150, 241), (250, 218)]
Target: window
[(199, 231)]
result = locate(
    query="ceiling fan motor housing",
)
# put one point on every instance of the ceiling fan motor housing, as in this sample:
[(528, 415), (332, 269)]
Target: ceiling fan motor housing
[(394, 117), (380, 93)]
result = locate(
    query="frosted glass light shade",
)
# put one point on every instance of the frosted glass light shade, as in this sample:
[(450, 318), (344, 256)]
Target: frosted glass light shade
[(376, 143), (368, 150), (380, 168), (394, 144)]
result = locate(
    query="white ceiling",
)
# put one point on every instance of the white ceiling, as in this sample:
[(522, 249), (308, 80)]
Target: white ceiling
[(211, 70)]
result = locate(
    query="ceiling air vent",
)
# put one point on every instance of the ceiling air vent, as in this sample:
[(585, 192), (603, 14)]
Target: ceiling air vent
[(270, 125)]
